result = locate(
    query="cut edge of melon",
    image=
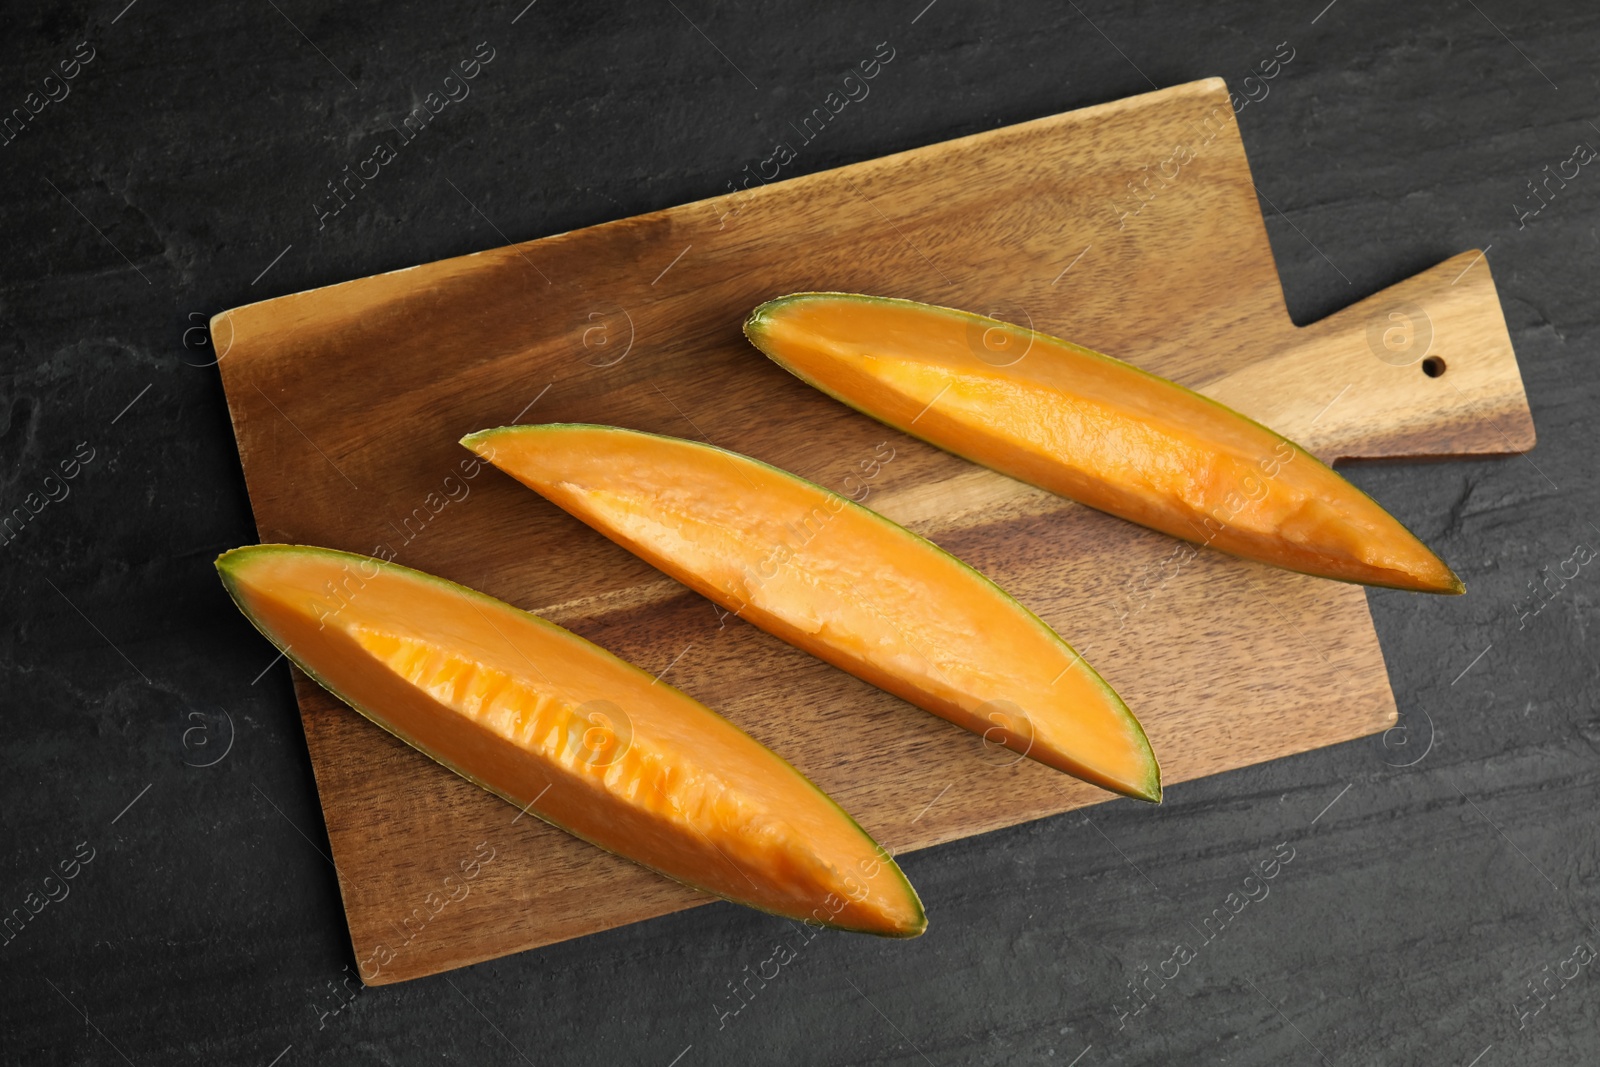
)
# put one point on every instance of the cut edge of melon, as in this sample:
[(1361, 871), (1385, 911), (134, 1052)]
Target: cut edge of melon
[(756, 322), (1150, 790), (228, 564)]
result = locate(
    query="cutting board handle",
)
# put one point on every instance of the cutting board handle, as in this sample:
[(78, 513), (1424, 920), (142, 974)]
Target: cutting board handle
[(1422, 368)]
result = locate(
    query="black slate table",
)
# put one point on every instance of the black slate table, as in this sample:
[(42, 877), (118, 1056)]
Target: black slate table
[(1436, 890)]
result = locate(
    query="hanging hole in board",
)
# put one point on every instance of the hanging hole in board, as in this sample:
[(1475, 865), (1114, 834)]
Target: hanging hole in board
[(1433, 366)]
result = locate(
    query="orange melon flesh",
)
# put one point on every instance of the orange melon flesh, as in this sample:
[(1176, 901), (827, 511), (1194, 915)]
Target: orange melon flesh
[(841, 582), (562, 728), (1094, 429)]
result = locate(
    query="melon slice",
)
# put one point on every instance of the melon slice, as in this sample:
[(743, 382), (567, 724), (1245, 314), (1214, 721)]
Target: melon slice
[(566, 731), (841, 582), (1095, 429)]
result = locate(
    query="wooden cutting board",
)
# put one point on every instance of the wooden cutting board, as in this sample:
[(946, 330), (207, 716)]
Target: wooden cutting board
[(1132, 227)]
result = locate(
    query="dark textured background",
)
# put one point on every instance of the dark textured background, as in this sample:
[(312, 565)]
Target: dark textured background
[(207, 929)]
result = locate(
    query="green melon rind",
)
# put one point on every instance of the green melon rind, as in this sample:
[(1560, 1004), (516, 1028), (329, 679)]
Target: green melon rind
[(230, 563), (757, 319), (1152, 790)]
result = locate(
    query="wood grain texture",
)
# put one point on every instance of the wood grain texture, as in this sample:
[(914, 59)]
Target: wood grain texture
[(347, 403)]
